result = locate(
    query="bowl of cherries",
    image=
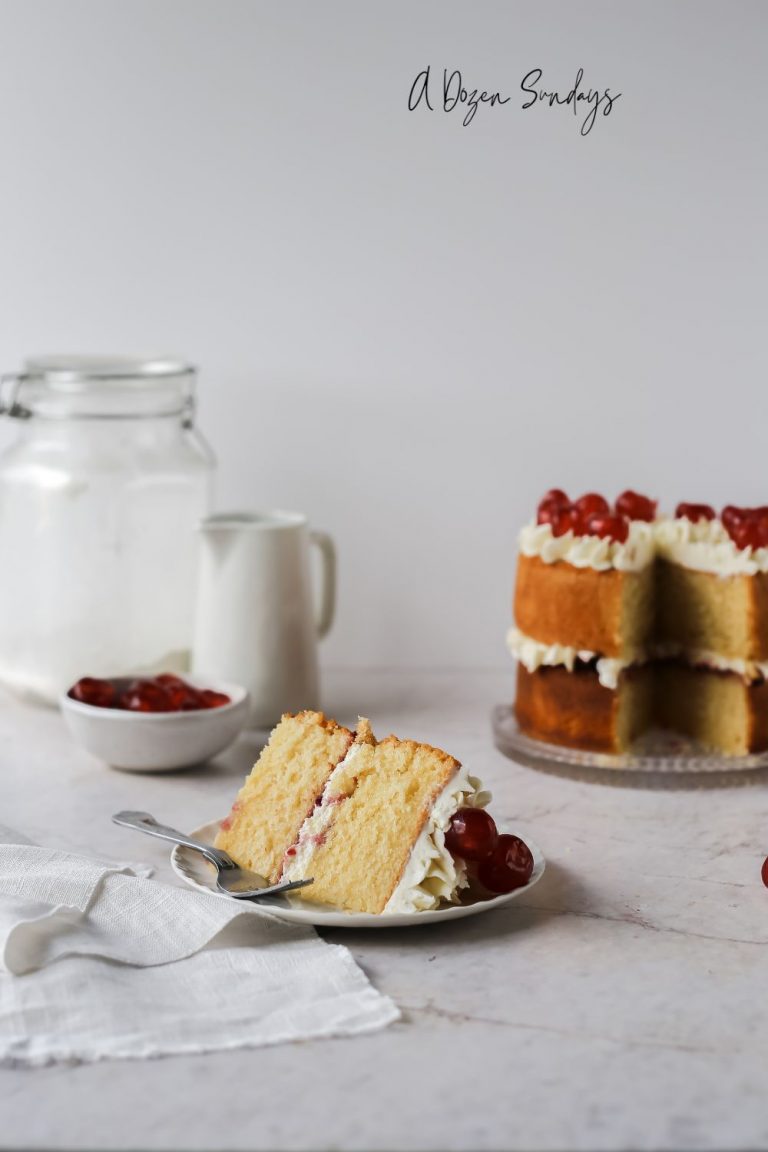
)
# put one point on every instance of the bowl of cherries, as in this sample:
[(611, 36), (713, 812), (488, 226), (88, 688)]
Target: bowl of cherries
[(151, 724)]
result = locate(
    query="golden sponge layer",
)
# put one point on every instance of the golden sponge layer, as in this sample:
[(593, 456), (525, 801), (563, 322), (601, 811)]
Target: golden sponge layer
[(727, 615), (390, 793), (281, 791), (609, 612)]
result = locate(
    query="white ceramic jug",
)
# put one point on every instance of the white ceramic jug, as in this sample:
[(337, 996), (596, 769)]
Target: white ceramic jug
[(256, 620)]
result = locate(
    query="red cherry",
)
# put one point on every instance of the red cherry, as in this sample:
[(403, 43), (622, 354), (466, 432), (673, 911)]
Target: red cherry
[(592, 504), (146, 696), (183, 697), (764, 872), (99, 693), (550, 505), (731, 515), (634, 506), (695, 512), (550, 502), (210, 699), (567, 520), (561, 519), (472, 834), (509, 867), (761, 529), (745, 534), (555, 496), (609, 527)]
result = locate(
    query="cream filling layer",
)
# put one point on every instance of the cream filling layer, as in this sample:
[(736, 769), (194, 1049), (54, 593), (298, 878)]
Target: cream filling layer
[(297, 861), (596, 552), (432, 874), (705, 546), (532, 654)]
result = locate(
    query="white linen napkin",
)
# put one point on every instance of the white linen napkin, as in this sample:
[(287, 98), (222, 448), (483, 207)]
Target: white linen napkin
[(98, 961)]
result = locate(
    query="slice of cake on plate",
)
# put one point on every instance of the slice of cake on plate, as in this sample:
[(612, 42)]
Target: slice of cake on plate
[(381, 827)]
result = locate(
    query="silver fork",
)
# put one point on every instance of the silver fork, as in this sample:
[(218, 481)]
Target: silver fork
[(230, 877)]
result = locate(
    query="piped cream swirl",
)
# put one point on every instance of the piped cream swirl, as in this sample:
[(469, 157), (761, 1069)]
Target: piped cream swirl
[(432, 874), (597, 552), (533, 654), (705, 546)]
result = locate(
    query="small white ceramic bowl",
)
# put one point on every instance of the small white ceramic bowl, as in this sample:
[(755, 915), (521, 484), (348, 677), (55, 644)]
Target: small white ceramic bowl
[(157, 741)]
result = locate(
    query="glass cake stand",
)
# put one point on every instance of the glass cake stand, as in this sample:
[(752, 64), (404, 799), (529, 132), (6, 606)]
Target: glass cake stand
[(657, 752)]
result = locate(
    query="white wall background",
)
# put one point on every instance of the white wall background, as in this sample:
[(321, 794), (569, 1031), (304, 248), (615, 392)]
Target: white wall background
[(407, 328)]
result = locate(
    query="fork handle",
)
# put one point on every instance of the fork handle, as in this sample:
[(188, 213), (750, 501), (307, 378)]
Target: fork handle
[(144, 822)]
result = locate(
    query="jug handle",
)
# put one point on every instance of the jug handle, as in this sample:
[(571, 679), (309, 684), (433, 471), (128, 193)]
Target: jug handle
[(328, 595)]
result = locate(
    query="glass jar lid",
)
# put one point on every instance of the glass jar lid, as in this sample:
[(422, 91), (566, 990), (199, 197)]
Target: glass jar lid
[(99, 387)]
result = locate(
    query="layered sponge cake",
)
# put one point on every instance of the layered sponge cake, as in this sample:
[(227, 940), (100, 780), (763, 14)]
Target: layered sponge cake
[(389, 826), (624, 620)]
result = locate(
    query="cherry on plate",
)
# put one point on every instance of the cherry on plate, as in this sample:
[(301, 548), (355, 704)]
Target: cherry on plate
[(99, 693), (635, 506), (509, 866), (764, 872), (472, 834)]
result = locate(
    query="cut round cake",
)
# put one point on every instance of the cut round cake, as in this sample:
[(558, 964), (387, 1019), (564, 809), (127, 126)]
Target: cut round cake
[(380, 827), (625, 620)]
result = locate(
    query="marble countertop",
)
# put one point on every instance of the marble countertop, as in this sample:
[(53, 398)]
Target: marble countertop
[(620, 1005)]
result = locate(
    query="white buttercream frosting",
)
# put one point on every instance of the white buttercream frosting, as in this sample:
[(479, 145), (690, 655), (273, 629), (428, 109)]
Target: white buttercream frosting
[(705, 546), (432, 874), (532, 654), (597, 552)]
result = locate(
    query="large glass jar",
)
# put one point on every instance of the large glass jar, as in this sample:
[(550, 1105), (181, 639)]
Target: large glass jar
[(100, 496)]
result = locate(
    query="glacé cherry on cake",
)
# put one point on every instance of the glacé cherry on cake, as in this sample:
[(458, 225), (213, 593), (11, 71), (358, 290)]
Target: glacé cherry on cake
[(625, 620)]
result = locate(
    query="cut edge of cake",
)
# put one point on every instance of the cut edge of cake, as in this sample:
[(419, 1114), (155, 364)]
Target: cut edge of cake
[(707, 629)]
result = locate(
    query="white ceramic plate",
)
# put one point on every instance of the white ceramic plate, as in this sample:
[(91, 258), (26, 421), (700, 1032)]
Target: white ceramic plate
[(657, 752), (198, 873)]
